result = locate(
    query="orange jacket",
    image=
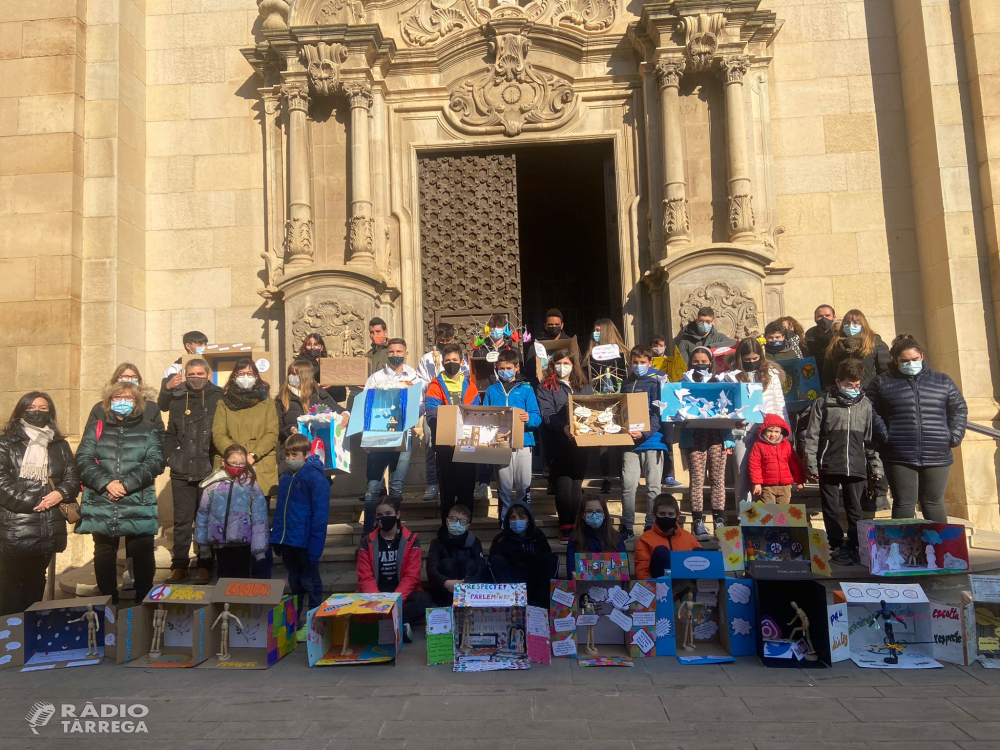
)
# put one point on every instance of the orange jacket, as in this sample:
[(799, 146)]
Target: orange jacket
[(681, 541)]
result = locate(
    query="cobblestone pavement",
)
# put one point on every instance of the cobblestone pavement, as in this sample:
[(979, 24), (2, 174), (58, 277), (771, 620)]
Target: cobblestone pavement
[(657, 704)]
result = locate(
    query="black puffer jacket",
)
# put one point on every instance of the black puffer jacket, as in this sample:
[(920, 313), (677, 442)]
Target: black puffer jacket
[(289, 418), (187, 444), (465, 553), (22, 531), (917, 420)]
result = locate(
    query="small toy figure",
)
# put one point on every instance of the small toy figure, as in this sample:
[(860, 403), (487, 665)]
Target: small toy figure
[(517, 640), (913, 554), (685, 613), (159, 622), (888, 616), (802, 627), (91, 617), (587, 608), (224, 617), (465, 648), (931, 557), (345, 649), (895, 559)]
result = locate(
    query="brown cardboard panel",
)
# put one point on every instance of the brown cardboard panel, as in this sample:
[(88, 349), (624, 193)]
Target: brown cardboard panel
[(635, 416), (553, 346), (450, 423), (133, 632), (249, 591), (187, 638), (95, 601), (344, 371)]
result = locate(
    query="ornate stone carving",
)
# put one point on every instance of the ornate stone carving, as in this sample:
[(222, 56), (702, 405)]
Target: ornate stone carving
[(298, 241), (323, 63), (675, 217), (584, 15), (434, 20), (469, 237), (669, 72), (701, 38), (360, 94), (735, 311), (340, 11), (362, 236), (741, 218), (275, 13), (732, 69), (296, 96), (510, 96), (341, 324)]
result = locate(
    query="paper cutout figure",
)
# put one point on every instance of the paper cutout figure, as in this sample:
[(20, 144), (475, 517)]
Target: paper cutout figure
[(224, 617), (895, 560), (517, 640), (91, 617), (159, 621), (931, 557), (803, 628)]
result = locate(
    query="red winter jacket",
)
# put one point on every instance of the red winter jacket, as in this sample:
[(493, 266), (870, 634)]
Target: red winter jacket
[(409, 569), (775, 464)]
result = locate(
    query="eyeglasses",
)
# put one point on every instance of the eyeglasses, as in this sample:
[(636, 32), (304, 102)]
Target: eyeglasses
[(123, 400), (456, 519)]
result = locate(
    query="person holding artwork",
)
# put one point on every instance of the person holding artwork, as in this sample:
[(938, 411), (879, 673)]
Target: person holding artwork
[(593, 532), (194, 342), (520, 553), (606, 376), (300, 393), (652, 550), (646, 457), (455, 556), (700, 332)]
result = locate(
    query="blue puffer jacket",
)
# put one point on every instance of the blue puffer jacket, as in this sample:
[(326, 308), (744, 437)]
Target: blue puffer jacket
[(231, 512), (917, 420), (522, 396), (652, 439), (303, 509)]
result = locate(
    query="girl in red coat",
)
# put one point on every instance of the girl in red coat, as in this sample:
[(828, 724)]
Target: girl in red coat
[(774, 464)]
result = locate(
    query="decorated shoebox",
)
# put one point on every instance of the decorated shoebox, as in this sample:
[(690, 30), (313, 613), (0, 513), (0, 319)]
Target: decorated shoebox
[(912, 547), (326, 432), (355, 629), (769, 531), (384, 417), (223, 357), (490, 627), (791, 613), (346, 371), (54, 635), (545, 349), (716, 405), (441, 635), (608, 419), (263, 624), (882, 626), (480, 434), (980, 622), (187, 638), (802, 385), (702, 616)]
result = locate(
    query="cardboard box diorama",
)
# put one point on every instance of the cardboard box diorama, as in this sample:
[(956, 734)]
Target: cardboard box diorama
[(490, 627), (980, 622), (791, 615), (57, 634), (769, 531), (702, 616), (544, 349), (912, 547), (345, 371), (355, 629), (608, 419), (326, 433), (480, 434), (599, 616), (223, 357), (441, 646), (261, 626), (384, 417), (802, 385), (185, 635), (719, 405)]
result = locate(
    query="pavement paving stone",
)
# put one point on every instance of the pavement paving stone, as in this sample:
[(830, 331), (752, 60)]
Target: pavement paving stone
[(903, 709), (686, 708), (982, 708), (983, 730), (802, 709), (892, 731)]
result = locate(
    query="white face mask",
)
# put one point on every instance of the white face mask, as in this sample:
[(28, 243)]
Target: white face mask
[(563, 371), (246, 382), (294, 381)]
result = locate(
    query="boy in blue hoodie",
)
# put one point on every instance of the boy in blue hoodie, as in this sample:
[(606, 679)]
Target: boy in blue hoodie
[(646, 458), (301, 514), (511, 390)]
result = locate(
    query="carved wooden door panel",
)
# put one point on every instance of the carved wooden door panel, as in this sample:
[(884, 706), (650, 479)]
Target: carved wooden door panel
[(469, 252)]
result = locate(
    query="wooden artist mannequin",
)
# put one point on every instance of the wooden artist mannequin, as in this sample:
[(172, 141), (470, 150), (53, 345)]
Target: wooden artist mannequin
[(91, 617), (466, 624), (346, 649), (587, 608), (685, 613), (803, 627), (225, 616), (159, 621)]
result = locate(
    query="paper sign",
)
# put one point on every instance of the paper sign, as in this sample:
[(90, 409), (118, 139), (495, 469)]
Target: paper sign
[(644, 619), (584, 620), (492, 356), (989, 644), (620, 619), (985, 588), (564, 624), (597, 594), (643, 641), (605, 353), (563, 597), (538, 622), (540, 351), (642, 595), (696, 564), (740, 625), (838, 627), (618, 597), (439, 621), (440, 649), (565, 647), (739, 593)]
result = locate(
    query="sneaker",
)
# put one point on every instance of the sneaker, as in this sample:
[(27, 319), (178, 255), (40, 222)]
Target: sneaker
[(671, 482), (855, 554), (482, 492), (564, 532), (841, 556), (177, 575), (128, 582), (301, 633), (407, 633), (700, 532), (718, 521), (606, 487), (432, 493)]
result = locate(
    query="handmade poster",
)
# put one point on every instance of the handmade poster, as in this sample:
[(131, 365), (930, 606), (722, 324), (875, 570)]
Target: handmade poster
[(673, 367), (263, 627), (355, 629), (889, 625), (57, 634), (384, 417), (792, 611), (776, 533), (608, 419), (440, 636), (912, 547), (980, 621), (326, 432), (802, 385), (490, 627), (715, 405), (604, 566), (538, 635), (185, 634), (836, 616), (480, 434)]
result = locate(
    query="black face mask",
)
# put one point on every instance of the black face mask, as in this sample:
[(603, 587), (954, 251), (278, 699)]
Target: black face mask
[(196, 384), (666, 525), (553, 331), (451, 368), (396, 361), (824, 324), (750, 366), (387, 522), (36, 418), (775, 345), (701, 368), (313, 353)]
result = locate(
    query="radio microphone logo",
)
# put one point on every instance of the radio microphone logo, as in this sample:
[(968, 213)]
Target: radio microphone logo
[(39, 715)]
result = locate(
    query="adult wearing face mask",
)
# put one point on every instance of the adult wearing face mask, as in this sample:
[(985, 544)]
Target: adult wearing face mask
[(127, 372), (188, 450), (313, 349), (818, 337), (855, 340), (119, 459), (553, 330), (920, 416), (194, 343), (701, 332), (37, 473), (378, 355)]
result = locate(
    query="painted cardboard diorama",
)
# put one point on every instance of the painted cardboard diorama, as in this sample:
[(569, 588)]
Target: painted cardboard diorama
[(384, 417), (480, 434), (980, 618), (490, 627), (172, 627), (326, 434), (791, 615), (912, 547), (719, 405), (774, 533), (608, 419), (801, 385), (223, 357), (58, 634), (255, 623), (355, 629), (703, 617)]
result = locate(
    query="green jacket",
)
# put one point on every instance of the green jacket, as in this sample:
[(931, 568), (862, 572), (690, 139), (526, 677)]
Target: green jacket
[(128, 450), (256, 429)]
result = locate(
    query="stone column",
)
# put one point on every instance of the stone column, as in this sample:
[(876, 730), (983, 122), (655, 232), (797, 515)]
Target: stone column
[(740, 219), (299, 226), (676, 224), (362, 225)]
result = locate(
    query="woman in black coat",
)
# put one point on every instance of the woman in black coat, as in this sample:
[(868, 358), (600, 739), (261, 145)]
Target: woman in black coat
[(919, 417), (855, 340), (37, 473)]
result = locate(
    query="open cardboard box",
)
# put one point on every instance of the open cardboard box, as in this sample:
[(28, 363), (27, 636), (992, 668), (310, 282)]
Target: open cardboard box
[(346, 371), (912, 547), (490, 627), (42, 637), (778, 583), (223, 357), (467, 427), (633, 409), (770, 531), (188, 638), (384, 417), (544, 349), (978, 623), (712, 405), (268, 621), (355, 629)]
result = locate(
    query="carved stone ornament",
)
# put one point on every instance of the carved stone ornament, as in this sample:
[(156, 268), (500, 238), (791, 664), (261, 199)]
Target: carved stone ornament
[(296, 96), (340, 11), (669, 72), (322, 62), (339, 323), (362, 234), (584, 15), (741, 217), (701, 37), (360, 94), (510, 96), (275, 14), (675, 217), (735, 310), (732, 69), (298, 240)]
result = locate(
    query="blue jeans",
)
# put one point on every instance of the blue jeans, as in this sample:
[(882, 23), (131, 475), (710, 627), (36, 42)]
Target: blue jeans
[(303, 577), (378, 462)]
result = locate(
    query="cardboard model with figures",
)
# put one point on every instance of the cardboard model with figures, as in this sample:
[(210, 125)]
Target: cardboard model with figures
[(59, 634), (326, 434), (791, 615), (912, 547), (172, 628), (384, 417), (980, 621), (355, 629), (607, 419), (490, 627), (480, 434), (773, 532), (259, 619)]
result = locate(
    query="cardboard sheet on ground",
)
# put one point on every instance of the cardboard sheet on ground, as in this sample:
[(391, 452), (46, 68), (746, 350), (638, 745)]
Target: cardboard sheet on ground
[(715, 405), (355, 629), (903, 642), (384, 417), (912, 547)]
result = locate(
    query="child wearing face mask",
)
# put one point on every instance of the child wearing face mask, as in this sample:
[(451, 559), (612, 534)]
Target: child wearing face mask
[(455, 556), (521, 554), (646, 457), (652, 550), (593, 532), (232, 516), (298, 532), (774, 464)]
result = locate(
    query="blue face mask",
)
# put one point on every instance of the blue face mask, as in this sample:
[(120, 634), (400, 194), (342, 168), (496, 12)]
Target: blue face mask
[(295, 464), (853, 329), (122, 408), (703, 328), (911, 368), (506, 375), (640, 370), (457, 528), (597, 337), (594, 519), (518, 527), (851, 392), (199, 350), (496, 334)]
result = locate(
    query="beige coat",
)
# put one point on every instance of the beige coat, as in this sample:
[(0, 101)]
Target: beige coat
[(256, 429)]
